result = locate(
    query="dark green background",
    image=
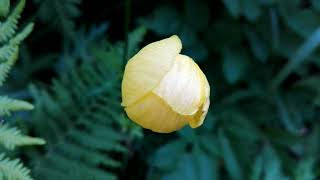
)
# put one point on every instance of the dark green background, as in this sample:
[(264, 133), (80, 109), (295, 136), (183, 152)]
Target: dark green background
[(261, 58)]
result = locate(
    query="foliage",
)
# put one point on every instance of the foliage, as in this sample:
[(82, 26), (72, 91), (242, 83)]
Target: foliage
[(59, 14), (10, 41), (263, 55), (13, 169), (261, 58), (83, 114), (11, 137)]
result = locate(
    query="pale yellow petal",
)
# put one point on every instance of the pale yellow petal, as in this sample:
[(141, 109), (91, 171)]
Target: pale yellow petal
[(197, 119), (183, 86), (144, 71), (151, 112)]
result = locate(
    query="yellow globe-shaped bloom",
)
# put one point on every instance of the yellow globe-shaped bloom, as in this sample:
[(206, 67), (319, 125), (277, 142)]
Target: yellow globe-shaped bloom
[(163, 90)]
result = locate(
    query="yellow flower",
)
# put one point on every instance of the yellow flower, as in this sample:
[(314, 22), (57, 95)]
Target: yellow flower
[(163, 90)]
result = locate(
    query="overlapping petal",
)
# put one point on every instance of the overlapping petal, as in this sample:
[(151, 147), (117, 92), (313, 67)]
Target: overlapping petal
[(151, 112), (144, 71), (163, 90), (197, 119), (183, 86)]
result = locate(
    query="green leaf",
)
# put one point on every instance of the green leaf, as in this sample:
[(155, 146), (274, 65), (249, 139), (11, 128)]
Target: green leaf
[(13, 169), (305, 170), (231, 163), (241, 127), (59, 14), (4, 7), (284, 115), (234, 64), (316, 4), (233, 6), (257, 169), (195, 165), (12, 137), (288, 44), (134, 39), (301, 21), (8, 105), (267, 2), (281, 137), (167, 156), (206, 167), (301, 55), (274, 21), (267, 166), (257, 45), (210, 144), (188, 36), (313, 142), (188, 134), (198, 52), (306, 19), (251, 9), (9, 26), (164, 21)]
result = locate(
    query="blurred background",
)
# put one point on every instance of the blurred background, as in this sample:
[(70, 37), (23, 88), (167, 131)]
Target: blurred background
[(261, 58)]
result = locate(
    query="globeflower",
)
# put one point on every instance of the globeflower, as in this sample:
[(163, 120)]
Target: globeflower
[(163, 90)]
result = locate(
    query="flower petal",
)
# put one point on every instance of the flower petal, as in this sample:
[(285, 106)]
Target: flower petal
[(151, 112), (183, 86), (144, 71), (197, 119)]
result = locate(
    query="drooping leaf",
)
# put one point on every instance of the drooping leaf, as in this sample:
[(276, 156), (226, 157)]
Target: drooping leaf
[(234, 65), (301, 55), (258, 46), (231, 163)]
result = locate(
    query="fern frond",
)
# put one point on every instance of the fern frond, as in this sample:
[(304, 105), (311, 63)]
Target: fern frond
[(9, 52), (59, 13), (4, 7), (83, 113), (12, 137), (5, 67), (67, 168), (8, 28), (13, 169), (80, 142), (7, 105)]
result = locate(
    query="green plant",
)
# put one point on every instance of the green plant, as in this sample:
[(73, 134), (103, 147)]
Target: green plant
[(59, 14), (261, 58), (264, 106), (88, 136), (10, 138)]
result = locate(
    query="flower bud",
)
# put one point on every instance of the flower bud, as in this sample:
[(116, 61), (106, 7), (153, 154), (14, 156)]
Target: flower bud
[(163, 90)]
